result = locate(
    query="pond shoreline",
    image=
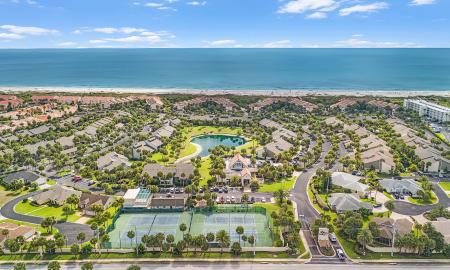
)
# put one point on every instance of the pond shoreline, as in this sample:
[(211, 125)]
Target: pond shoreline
[(200, 148)]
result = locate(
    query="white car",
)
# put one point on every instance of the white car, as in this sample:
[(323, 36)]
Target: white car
[(332, 237)]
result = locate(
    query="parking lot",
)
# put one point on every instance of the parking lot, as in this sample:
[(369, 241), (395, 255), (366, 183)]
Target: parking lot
[(82, 184), (225, 195)]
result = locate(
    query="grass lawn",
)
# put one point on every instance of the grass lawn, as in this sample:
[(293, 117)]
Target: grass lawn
[(434, 200), (64, 172), (189, 149), (273, 207), (51, 182), (284, 185), (445, 186), (27, 208), (7, 195), (387, 194), (36, 226), (204, 171), (106, 256), (442, 137), (349, 247)]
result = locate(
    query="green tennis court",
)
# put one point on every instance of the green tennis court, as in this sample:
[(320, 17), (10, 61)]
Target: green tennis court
[(151, 223)]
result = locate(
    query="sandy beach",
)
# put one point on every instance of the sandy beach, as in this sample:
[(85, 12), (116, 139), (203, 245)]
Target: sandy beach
[(273, 92)]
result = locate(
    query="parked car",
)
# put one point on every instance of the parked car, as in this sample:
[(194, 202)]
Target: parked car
[(77, 178), (168, 195), (332, 237), (233, 199), (340, 254), (228, 199), (263, 200), (91, 182), (222, 199)]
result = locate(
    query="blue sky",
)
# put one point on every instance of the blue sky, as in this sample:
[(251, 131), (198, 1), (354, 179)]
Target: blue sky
[(224, 23)]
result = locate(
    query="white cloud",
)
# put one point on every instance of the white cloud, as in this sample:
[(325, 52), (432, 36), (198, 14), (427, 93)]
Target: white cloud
[(359, 43), (422, 2), (196, 3), (143, 38), (153, 5), (369, 8), (317, 15), (28, 30), (29, 2), (110, 30), (106, 30), (222, 43), (279, 44), (301, 6), (10, 36), (67, 44)]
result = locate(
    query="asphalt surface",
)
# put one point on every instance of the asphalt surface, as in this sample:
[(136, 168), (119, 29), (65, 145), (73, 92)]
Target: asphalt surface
[(241, 266), (410, 209), (69, 229), (306, 211)]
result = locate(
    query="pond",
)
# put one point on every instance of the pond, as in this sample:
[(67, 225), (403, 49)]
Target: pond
[(207, 142)]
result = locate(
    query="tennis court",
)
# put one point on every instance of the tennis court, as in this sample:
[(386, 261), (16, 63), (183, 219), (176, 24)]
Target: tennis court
[(152, 223), (255, 224)]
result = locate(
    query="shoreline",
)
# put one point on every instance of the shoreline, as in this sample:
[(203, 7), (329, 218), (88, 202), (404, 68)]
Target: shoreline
[(242, 92)]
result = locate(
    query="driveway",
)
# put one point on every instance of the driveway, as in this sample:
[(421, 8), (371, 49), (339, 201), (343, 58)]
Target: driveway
[(69, 229), (410, 209)]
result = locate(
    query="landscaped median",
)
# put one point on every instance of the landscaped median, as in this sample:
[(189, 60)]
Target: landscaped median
[(109, 257), (446, 187)]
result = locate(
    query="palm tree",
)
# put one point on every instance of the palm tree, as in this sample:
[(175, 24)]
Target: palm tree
[(183, 228), (364, 238), (223, 238), (210, 237), (170, 239), (240, 231), (81, 237), (281, 195), (251, 240), (131, 234)]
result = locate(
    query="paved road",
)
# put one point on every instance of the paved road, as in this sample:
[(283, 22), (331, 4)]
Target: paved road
[(70, 230), (307, 213), (242, 266), (409, 209)]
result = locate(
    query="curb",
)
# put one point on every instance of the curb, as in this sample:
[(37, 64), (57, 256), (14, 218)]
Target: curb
[(152, 260)]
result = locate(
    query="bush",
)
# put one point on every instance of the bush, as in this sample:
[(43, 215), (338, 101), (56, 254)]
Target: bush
[(321, 203), (278, 243)]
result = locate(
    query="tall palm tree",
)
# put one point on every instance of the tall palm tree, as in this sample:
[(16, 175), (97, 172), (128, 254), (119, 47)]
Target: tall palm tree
[(223, 238), (364, 238), (131, 234), (240, 231)]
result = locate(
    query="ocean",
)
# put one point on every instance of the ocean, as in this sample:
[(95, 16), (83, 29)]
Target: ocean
[(229, 69)]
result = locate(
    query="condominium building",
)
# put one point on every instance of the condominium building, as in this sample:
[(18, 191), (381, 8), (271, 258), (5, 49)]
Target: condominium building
[(432, 110)]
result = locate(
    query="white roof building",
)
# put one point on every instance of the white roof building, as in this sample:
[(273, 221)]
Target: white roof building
[(349, 181), (400, 186)]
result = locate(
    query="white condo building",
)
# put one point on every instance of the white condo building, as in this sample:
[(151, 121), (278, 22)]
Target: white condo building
[(425, 108)]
